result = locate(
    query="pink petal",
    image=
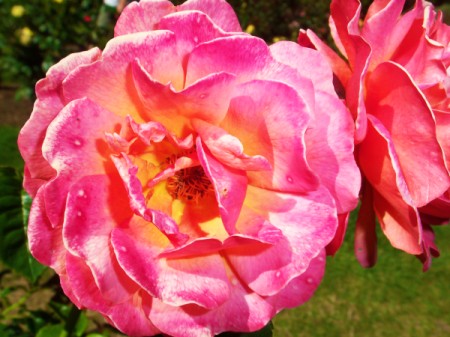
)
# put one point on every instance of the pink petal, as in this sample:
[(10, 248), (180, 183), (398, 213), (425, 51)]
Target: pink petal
[(248, 58), (442, 132), (45, 242), (89, 219), (344, 25), (382, 17), (207, 99), (308, 62), (389, 88), (329, 144), (178, 281), (128, 172), (108, 81), (142, 16), (191, 28), (228, 149), (340, 68), (335, 244), (131, 317), (74, 146), (218, 10), (48, 104), (308, 224), (301, 288), (244, 311), (391, 199), (230, 186), (270, 119), (365, 232)]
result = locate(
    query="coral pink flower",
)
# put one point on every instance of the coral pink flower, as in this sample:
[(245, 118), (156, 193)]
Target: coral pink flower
[(187, 178), (396, 81)]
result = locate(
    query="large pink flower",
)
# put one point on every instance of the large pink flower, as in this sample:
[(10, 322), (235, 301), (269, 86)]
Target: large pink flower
[(187, 178), (397, 86)]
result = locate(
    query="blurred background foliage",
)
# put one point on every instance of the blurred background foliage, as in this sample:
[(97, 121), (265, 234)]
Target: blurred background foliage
[(393, 299)]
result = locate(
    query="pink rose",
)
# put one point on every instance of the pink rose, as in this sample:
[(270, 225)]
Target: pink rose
[(396, 83), (187, 178)]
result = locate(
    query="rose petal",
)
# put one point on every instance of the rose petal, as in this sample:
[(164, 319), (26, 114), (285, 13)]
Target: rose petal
[(390, 87), (230, 186), (329, 151), (94, 205), (142, 16), (270, 119), (207, 99), (108, 81), (308, 224), (174, 281), (392, 201), (49, 102), (131, 316)]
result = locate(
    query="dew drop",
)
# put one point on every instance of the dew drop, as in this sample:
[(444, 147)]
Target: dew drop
[(79, 213), (320, 259), (234, 281), (123, 249), (202, 96), (278, 274), (77, 142), (195, 39), (309, 280), (81, 193), (289, 179)]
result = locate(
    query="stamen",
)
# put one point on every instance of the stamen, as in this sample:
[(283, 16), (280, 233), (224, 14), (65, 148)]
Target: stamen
[(189, 185)]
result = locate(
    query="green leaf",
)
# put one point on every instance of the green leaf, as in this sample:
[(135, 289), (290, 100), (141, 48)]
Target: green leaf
[(14, 210), (9, 155), (56, 330), (81, 325)]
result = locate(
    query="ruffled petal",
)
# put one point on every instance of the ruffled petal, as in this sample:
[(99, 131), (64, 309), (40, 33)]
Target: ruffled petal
[(308, 224), (218, 10), (416, 144), (94, 206), (175, 281), (392, 201), (48, 104), (270, 119), (230, 186), (207, 99), (108, 81), (329, 151), (131, 317), (142, 16), (301, 288)]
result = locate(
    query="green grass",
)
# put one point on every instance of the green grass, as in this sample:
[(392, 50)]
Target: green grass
[(395, 298)]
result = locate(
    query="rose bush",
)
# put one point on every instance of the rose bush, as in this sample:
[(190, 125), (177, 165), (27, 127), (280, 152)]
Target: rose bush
[(395, 78), (187, 178)]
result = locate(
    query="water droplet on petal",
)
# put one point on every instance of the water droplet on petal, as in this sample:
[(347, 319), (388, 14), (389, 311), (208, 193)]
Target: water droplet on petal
[(278, 274), (320, 259), (195, 39), (289, 179), (123, 249), (81, 193), (79, 213), (77, 142), (234, 281), (202, 96), (309, 280)]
